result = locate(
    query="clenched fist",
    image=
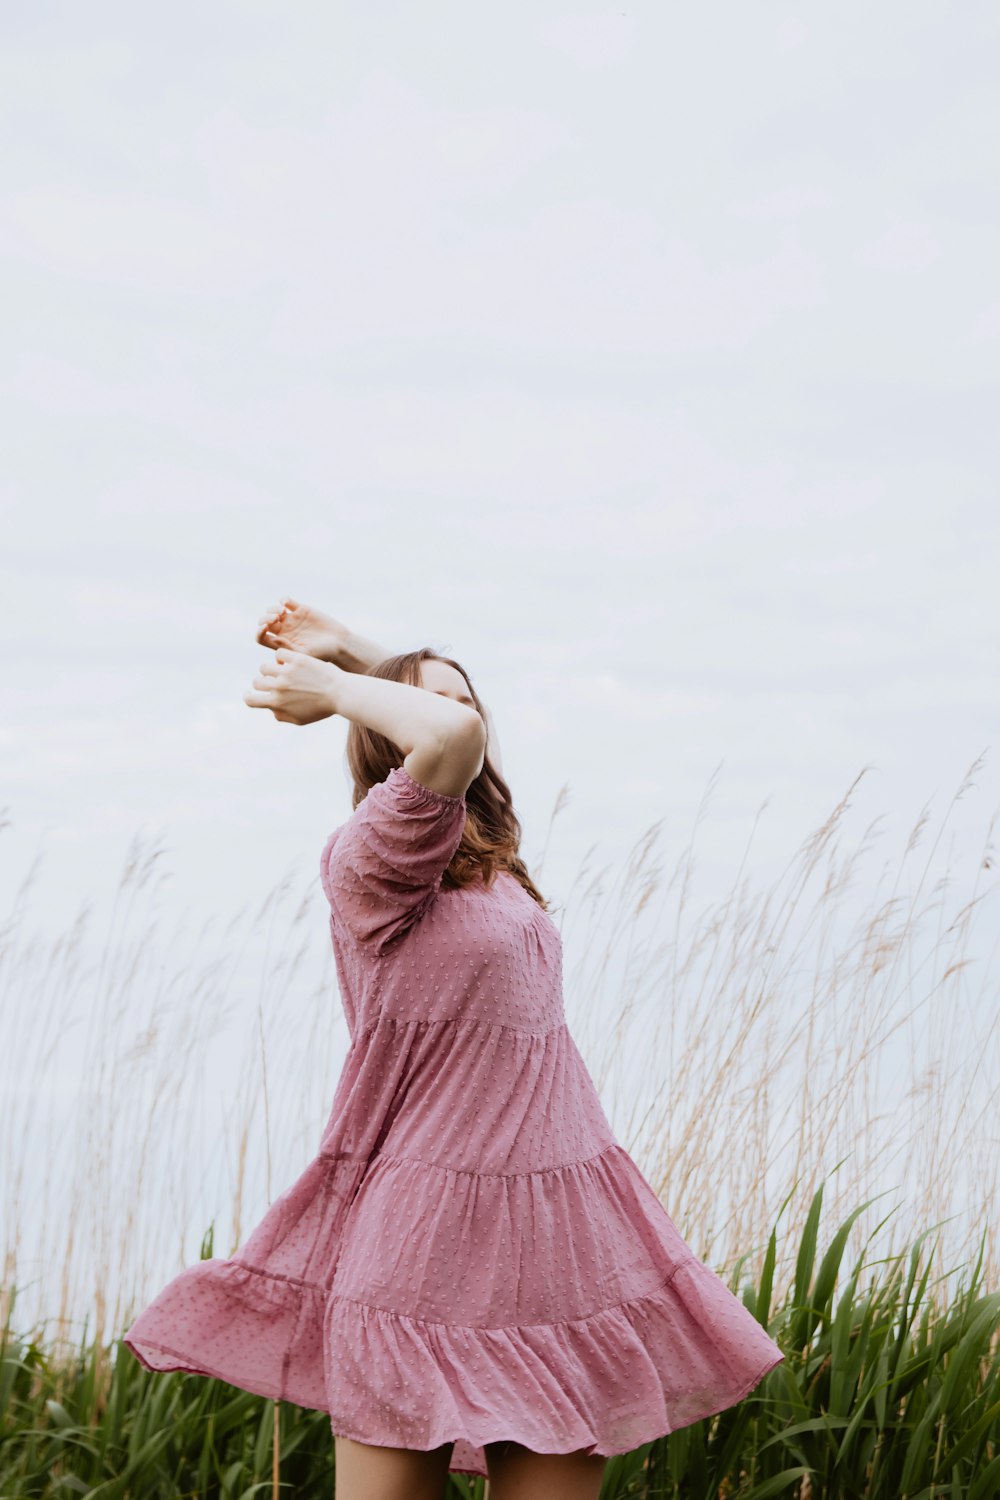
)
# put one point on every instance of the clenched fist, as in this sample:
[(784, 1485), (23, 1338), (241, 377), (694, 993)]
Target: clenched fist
[(296, 687)]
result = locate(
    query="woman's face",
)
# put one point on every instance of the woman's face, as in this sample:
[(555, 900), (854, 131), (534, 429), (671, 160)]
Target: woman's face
[(438, 677)]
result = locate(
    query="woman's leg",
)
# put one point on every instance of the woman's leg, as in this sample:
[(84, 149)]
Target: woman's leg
[(365, 1471), (516, 1473)]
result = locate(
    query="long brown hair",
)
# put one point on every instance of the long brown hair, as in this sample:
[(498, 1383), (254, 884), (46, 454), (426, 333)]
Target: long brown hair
[(492, 834)]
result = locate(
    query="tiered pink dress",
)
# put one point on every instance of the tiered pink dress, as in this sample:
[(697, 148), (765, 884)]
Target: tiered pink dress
[(471, 1255)]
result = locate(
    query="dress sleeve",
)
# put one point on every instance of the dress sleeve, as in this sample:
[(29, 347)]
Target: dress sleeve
[(382, 869)]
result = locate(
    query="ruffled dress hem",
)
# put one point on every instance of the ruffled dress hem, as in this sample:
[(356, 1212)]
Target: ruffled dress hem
[(606, 1383)]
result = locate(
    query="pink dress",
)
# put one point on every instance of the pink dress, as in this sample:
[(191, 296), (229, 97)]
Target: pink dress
[(471, 1255)]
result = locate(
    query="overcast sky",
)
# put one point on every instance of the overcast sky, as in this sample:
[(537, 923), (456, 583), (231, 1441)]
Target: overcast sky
[(644, 359)]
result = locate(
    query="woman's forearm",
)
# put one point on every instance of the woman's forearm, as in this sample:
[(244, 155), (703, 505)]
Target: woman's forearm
[(353, 653), (409, 716)]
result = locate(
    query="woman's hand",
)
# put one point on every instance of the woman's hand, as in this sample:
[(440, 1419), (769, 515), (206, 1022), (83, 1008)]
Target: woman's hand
[(296, 687), (302, 628)]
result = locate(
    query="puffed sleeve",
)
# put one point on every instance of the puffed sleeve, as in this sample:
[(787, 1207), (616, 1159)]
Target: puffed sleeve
[(382, 869)]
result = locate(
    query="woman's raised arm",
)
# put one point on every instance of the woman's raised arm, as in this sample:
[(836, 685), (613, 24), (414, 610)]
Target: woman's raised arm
[(301, 627), (442, 742)]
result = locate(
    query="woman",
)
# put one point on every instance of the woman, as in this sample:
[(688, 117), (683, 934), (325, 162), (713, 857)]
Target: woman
[(472, 1274)]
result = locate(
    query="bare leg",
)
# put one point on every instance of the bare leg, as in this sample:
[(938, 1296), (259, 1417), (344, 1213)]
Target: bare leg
[(365, 1471), (516, 1473)]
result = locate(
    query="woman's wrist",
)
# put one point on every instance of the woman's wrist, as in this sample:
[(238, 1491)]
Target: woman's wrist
[(353, 653), (331, 692)]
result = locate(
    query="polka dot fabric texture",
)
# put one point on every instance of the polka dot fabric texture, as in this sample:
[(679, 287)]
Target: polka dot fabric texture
[(471, 1255)]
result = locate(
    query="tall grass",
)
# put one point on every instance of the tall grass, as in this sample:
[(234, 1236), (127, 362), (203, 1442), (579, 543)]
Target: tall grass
[(763, 1057)]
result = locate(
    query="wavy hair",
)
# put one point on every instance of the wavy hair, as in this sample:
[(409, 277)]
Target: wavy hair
[(492, 835)]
